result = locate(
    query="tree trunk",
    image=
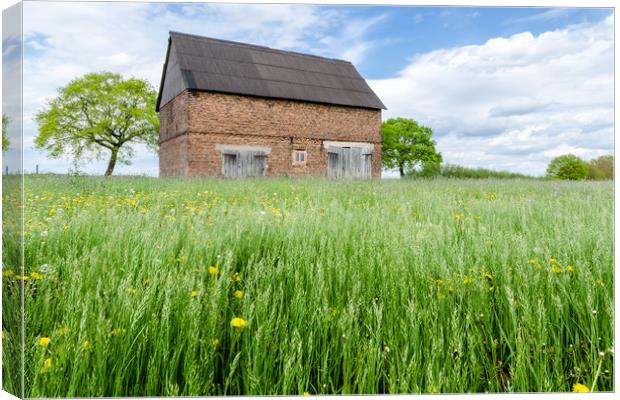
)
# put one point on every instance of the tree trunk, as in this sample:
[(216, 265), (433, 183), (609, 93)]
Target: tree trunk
[(112, 162), (401, 169)]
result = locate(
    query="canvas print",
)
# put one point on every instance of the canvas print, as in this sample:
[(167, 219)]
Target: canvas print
[(214, 199)]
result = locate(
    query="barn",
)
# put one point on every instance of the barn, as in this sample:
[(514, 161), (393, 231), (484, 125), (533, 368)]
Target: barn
[(239, 110)]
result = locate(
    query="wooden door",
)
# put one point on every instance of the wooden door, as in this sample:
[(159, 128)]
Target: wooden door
[(244, 164), (347, 162)]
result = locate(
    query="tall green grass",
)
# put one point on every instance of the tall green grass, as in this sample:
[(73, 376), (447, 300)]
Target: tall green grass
[(348, 287)]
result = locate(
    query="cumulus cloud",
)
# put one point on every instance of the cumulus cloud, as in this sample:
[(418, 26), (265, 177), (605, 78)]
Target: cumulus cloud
[(513, 102)]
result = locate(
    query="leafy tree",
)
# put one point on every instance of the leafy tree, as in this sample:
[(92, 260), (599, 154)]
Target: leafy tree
[(407, 145), (567, 166), (601, 168), (5, 140), (97, 114)]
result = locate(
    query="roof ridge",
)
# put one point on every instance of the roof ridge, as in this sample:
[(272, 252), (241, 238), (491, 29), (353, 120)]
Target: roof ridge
[(259, 47)]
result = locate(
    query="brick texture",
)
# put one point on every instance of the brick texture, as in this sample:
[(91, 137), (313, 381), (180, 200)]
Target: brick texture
[(194, 122)]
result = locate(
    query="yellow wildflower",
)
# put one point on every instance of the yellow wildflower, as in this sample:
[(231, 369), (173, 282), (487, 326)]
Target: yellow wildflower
[(131, 290), (238, 323), (8, 273), (306, 393), (194, 293), (556, 270), (438, 282), (86, 345), (4, 334), (118, 331), (47, 364), (36, 275), (570, 268), (459, 216), (531, 261), (213, 270), (44, 341), (236, 277), (488, 276), (22, 278), (238, 294), (580, 388), (553, 261), (467, 280)]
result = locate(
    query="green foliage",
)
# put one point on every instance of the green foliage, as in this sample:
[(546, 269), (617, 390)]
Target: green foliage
[(458, 171), (5, 140), (601, 168), (567, 167), (349, 287), (407, 145), (99, 113)]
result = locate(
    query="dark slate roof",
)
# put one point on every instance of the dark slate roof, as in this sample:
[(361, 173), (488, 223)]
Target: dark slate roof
[(201, 63)]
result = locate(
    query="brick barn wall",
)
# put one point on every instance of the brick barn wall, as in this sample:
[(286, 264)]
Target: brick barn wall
[(194, 122)]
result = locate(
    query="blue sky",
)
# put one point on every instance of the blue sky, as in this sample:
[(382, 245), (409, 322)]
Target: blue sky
[(503, 88)]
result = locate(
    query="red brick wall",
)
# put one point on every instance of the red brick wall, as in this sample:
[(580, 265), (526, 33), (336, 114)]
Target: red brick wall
[(194, 122)]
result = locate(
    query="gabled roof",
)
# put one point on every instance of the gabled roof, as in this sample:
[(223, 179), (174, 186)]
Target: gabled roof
[(201, 63)]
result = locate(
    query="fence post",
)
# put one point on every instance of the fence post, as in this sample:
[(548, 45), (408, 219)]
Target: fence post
[(37, 169)]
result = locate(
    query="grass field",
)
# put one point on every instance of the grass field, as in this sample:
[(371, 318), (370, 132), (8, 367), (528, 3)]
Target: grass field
[(138, 286)]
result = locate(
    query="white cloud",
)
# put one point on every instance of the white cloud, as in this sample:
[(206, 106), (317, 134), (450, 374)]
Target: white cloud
[(66, 40), (513, 103)]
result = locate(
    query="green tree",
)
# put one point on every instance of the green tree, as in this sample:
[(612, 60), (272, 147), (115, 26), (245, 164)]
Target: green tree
[(5, 139), (567, 166), (601, 168), (99, 114), (407, 145)]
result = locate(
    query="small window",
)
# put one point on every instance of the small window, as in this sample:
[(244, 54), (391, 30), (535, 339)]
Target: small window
[(299, 157)]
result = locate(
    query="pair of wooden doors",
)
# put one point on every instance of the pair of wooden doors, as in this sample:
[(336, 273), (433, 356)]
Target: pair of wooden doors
[(348, 162), (244, 164)]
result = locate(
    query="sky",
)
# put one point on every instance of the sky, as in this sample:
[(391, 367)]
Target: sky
[(503, 88)]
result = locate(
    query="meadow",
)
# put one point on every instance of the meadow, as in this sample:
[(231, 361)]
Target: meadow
[(155, 287)]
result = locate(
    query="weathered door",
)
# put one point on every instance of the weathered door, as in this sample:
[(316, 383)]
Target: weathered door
[(347, 162), (244, 164)]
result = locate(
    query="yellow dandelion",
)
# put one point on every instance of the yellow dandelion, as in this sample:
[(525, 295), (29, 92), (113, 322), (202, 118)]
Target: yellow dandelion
[(570, 268), (531, 261), (438, 282), (22, 278), (36, 275), (556, 270), (236, 277), (194, 293), (213, 270), (47, 365), (553, 261), (238, 323), (44, 341), (467, 280), (86, 345), (458, 217), (8, 273), (580, 388), (488, 276), (238, 294), (306, 393)]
